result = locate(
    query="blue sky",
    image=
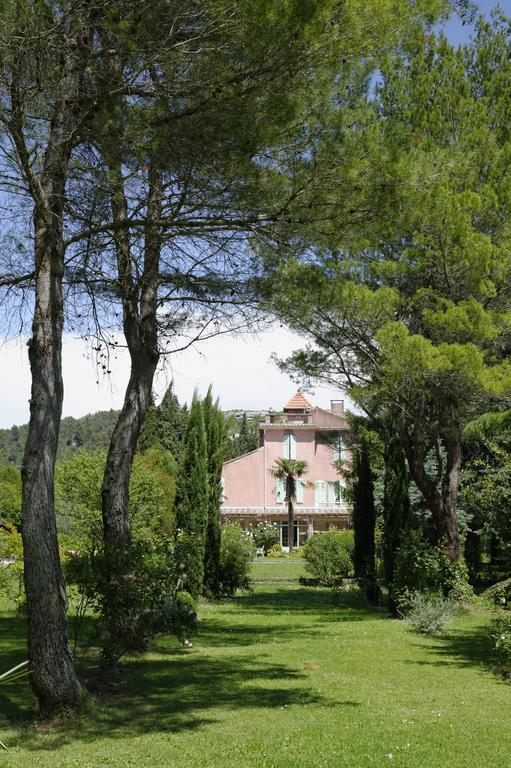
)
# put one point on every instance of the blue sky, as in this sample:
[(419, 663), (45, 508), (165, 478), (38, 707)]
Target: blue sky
[(459, 33)]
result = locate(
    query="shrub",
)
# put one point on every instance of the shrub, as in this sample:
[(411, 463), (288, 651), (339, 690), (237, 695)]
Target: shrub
[(428, 613), (135, 603), (275, 551), (237, 550), (500, 633), (421, 567), (329, 556), (266, 535)]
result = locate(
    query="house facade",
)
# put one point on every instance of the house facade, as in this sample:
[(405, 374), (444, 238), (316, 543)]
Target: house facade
[(300, 431)]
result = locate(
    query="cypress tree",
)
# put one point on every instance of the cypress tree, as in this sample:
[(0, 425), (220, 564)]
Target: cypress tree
[(364, 515), (215, 439), (192, 495), (396, 504)]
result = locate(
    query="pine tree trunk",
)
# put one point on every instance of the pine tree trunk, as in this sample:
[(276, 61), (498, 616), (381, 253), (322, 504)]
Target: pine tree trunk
[(52, 677), (141, 334), (121, 452)]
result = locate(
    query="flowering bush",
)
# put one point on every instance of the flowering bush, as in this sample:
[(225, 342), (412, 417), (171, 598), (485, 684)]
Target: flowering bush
[(265, 535), (500, 633), (275, 551)]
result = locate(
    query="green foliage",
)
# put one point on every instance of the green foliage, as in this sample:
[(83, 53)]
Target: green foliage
[(275, 551), (265, 535), (79, 481), (192, 489), (91, 433), (364, 514), (214, 424), (164, 424), (428, 614), (396, 504), (135, 605), (10, 494), (500, 634), (11, 571), (236, 554), (422, 568), (189, 555), (329, 556), (245, 439)]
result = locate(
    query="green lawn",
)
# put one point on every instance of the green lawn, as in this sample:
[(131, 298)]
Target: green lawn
[(277, 569), (283, 677)]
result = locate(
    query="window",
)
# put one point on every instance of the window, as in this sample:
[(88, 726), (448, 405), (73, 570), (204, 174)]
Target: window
[(319, 492), (299, 491), (222, 494), (334, 492), (289, 446), (338, 449)]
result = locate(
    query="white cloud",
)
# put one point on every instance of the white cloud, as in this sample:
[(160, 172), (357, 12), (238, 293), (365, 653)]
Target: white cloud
[(239, 369)]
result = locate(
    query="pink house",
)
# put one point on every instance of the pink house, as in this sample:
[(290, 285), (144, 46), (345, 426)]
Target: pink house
[(300, 431)]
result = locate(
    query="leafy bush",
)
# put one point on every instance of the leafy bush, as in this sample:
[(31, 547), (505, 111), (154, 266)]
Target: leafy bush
[(429, 614), (329, 556), (237, 550), (11, 571), (500, 633), (421, 567), (266, 535), (135, 601), (275, 551)]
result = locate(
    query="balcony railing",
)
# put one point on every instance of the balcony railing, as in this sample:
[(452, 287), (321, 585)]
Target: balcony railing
[(320, 509), (288, 419)]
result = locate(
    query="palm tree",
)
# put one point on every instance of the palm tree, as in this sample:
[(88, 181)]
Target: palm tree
[(289, 470)]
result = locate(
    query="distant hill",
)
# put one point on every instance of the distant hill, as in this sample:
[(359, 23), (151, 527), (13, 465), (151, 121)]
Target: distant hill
[(89, 432)]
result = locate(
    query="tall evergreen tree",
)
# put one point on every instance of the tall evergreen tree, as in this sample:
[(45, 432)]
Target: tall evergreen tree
[(396, 505), (192, 490), (164, 424), (364, 514), (214, 425)]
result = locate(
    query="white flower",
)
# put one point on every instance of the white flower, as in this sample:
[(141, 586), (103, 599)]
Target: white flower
[(390, 755)]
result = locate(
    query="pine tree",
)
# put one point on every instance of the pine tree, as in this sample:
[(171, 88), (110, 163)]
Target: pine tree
[(192, 492), (214, 424)]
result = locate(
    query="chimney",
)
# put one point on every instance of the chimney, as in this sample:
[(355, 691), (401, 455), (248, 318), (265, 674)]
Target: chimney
[(337, 407)]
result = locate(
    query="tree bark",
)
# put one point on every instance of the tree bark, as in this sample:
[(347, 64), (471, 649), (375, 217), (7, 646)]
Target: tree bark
[(140, 326), (441, 500), (52, 675)]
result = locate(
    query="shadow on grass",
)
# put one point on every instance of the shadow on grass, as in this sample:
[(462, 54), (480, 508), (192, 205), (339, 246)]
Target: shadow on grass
[(308, 601), (469, 647), (182, 691)]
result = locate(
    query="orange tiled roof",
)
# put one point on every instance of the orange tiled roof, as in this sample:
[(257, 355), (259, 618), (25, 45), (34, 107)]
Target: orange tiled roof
[(298, 403)]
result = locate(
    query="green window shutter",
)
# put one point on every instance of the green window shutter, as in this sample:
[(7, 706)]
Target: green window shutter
[(299, 492), (280, 490), (320, 492)]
